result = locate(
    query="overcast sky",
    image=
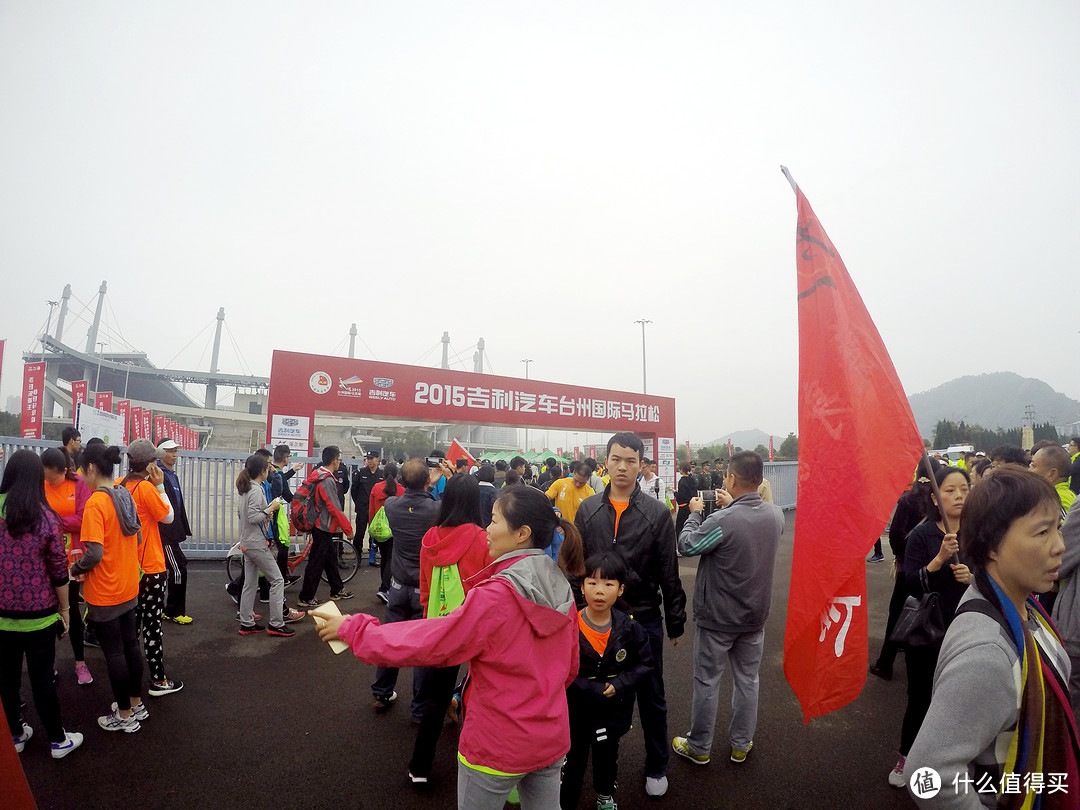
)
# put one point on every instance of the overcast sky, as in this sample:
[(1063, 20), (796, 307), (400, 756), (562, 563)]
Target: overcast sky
[(542, 175)]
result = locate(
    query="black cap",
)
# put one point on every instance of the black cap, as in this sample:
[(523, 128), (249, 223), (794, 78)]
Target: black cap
[(372, 454)]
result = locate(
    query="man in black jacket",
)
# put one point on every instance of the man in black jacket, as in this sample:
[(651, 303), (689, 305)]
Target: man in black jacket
[(363, 481), (410, 516), (172, 535), (640, 528)]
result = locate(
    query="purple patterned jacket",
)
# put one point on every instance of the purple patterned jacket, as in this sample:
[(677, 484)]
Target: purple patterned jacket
[(32, 566)]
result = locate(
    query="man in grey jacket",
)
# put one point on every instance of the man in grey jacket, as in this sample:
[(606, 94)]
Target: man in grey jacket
[(732, 596)]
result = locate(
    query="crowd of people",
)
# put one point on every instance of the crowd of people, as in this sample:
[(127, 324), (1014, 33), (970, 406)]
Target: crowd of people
[(993, 703), (553, 593)]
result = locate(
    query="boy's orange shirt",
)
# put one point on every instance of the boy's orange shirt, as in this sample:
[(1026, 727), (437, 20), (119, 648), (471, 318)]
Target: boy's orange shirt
[(597, 640)]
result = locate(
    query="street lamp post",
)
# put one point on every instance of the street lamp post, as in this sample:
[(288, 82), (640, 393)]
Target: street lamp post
[(526, 362), (644, 386)]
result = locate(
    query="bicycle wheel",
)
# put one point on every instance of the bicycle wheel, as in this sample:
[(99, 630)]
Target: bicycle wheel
[(348, 562), (234, 567)]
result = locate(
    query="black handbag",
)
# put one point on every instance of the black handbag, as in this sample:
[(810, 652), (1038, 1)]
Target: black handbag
[(921, 624)]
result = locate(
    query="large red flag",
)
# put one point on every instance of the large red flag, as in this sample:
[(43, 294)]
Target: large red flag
[(456, 451), (849, 400)]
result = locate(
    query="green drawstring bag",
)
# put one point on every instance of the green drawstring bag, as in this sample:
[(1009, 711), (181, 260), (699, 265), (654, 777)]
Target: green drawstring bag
[(379, 529), (447, 593), (282, 519)]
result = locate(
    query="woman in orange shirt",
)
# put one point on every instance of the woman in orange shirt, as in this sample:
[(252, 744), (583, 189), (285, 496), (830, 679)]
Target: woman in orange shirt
[(67, 495), (111, 590), (146, 483)]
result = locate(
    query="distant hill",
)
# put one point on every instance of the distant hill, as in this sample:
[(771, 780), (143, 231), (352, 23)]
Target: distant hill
[(996, 400), (749, 439)]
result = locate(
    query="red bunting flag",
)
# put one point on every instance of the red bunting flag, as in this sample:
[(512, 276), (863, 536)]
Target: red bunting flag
[(33, 399), (123, 409), (849, 398), (79, 394)]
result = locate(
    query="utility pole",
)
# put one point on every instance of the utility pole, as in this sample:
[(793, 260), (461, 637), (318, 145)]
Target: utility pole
[(644, 387), (445, 350), (211, 388), (352, 342)]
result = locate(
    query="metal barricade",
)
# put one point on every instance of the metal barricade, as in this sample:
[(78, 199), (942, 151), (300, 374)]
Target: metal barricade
[(784, 479), (208, 486)]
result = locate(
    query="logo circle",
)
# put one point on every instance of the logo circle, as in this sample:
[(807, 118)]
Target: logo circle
[(320, 382), (925, 783)]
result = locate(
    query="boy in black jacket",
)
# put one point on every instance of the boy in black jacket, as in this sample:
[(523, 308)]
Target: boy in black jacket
[(615, 656)]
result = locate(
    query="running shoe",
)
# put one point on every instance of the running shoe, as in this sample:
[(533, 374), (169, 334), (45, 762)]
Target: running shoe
[(875, 558), (681, 747), (606, 803), (20, 740), (283, 631), (72, 740), (178, 619), (309, 603), (383, 702), (294, 616), (342, 594), (165, 687), (384, 597), (234, 596), (738, 755), (656, 785), (417, 780), (896, 775), (82, 672), (138, 711), (255, 616), (114, 722), (90, 638), (251, 629)]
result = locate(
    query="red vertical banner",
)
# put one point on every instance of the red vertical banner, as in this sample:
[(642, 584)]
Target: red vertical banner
[(730, 452), (577, 453), (770, 449), (103, 401), (136, 423), (78, 394), (145, 431), (123, 409), (558, 452), (849, 397), (33, 396), (159, 428)]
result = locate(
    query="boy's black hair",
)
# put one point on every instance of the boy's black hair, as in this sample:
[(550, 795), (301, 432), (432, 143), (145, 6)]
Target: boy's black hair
[(607, 565), (628, 440)]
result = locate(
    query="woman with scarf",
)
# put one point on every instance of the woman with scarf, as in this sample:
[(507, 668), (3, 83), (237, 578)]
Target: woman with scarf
[(999, 729)]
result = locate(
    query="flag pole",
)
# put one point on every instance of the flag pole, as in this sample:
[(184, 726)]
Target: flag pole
[(790, 179), (937, 497)]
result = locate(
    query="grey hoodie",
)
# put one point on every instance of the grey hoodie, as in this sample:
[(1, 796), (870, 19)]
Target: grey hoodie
[(538, 579)]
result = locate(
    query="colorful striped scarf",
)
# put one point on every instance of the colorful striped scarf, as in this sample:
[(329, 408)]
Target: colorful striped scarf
[(1045, 741)]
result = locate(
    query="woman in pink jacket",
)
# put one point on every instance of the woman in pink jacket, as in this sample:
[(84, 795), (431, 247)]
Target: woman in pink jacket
[(517, 629)]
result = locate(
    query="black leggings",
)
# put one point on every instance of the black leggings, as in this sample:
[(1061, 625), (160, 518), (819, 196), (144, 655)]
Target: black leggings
[(119, 641), (39, 647), (75, 627)]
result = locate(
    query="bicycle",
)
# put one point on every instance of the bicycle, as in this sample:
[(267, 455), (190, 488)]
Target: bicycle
[(348, 560)]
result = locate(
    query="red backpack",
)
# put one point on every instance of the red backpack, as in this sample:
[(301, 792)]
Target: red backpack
[(304, 510)]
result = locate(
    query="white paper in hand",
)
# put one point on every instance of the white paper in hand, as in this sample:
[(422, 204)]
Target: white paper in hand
[(320, 615)]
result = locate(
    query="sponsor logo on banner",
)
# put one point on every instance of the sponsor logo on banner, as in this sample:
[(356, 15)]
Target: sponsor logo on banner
[(383, 382), (290, 421), (320, 382), (349, 387)]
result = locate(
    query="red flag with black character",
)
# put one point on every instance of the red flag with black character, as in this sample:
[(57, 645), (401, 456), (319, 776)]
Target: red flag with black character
[(851, 404)]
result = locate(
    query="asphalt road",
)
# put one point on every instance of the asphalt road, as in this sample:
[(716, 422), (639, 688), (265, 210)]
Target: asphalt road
[(267, 722)]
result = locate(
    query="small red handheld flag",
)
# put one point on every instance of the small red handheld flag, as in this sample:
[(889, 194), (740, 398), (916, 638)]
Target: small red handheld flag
[(850, 402)]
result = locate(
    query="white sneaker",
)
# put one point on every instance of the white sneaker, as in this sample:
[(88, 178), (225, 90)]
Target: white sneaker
[(656, 785), (896, 775), (72, 740), (138, 711), (114, 722), (22, 739)]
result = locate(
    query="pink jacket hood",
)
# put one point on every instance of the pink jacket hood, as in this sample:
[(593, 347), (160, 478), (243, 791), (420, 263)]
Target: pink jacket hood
[(518, 631)]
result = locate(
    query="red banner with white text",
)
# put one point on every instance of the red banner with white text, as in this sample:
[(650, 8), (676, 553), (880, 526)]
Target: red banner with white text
[(33, 399), (123, 408), (849, 397), (79, 393), (103, 401)]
